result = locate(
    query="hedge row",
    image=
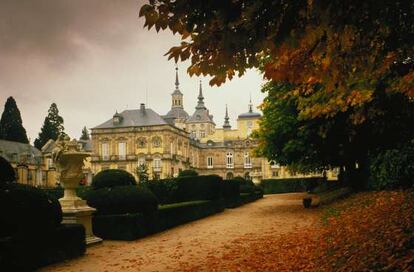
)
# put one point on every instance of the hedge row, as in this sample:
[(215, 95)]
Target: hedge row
[(57, 192), (133, 226), (29, 251), (276, 186)]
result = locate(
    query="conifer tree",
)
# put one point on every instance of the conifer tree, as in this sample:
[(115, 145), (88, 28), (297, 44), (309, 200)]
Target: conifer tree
[(11, 125), (52, 127), (85, 134)]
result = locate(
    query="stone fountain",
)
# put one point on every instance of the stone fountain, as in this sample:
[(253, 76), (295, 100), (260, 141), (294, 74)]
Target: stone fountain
[(68, 157)]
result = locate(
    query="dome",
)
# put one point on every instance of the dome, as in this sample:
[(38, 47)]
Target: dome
[(178, 113)]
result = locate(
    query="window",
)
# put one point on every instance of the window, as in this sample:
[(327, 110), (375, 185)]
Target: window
[(247, 160), (275, 173), (229, 175), (209, 162), (249, 127), (122, 150), (105, 151), (141, 142), (202, 133), (229, 160), (156, 164), (49, 163), (247, 176), (141, 161), (273, 164), (156, 142)]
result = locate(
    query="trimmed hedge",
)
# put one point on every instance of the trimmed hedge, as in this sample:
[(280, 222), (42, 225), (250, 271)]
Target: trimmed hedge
[(122, 199), (277, 186), (184, 189), (163, 189), (24, 208), (7, 173), (29, 251), (57, 192), (188, 173), (197, 188), (111, 178), (230, 188), (133, 226)]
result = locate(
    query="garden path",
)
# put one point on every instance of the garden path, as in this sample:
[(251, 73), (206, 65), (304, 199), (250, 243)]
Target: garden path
[(193, 242)]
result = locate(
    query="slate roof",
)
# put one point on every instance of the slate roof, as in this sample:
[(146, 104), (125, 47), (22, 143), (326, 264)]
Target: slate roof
[(200, 116), (249, 115), (135, 118), (13, 151), (176, 113)]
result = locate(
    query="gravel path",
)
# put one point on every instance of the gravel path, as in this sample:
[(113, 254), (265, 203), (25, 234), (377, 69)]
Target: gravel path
[(192, 242)]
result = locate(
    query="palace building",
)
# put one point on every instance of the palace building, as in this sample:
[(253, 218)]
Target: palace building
[(170, 143)]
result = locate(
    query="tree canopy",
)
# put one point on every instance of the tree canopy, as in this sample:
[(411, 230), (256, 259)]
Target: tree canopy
[(85, 134), (52, 127), (335, 52), (11, 124)]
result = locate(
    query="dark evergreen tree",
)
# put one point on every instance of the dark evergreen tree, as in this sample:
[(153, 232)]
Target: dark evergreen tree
[(11, 125), (85, 134), (52, 127)]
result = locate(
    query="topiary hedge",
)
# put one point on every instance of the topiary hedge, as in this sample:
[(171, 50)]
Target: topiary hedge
[(24, 208), (163, 189), (57, 192), (291, 185), (122, 200), (197, 188), (7, 173), (230, 189), (112, 178), (188, 173)]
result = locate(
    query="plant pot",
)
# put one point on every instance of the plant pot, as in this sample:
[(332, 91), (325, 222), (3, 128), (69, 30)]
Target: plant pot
[(307, 202)]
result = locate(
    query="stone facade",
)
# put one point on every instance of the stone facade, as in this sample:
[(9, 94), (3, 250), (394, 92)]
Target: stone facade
[(177, 141)]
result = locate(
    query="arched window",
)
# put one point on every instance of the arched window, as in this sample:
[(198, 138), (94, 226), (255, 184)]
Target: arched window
[(229, 175), (247, 176), (247, 160), (141, 142), (229, 160), (249, 127), (156, 142)]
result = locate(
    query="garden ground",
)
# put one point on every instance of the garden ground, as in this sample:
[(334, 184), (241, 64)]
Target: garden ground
[(192, 244)]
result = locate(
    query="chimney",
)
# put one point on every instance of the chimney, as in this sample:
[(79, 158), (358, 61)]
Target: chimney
[(142, 107)]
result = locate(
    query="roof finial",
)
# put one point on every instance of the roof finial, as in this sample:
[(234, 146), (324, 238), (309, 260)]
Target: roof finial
[(250, 104), (177, 83), (200, 104), (226, 124)]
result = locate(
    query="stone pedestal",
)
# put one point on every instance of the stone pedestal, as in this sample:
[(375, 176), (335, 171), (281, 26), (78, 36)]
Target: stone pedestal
[(69, 161)]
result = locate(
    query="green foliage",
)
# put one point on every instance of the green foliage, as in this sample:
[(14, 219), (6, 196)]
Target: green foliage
[(134, 226), (230, 188), (11, 124), (164, 189), (28, 252), (27, 209), (393, 168), (197, 188), (52, 127), (277, 186), (188, 173), (85, 134), (122, 199), (112, 178), (57, 192), (142, 172), (7, 173)]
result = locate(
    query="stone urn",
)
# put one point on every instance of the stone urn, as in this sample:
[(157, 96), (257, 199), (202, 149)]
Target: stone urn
[(69, 158)]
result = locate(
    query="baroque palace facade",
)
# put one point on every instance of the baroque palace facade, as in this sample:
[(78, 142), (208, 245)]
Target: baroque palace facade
[(177, 141)]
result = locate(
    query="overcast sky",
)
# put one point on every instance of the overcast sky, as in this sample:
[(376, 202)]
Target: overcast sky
[(93, 57)]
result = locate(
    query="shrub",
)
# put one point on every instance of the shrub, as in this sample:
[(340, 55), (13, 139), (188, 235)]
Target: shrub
[(197, 188), (122, 199), (277, 186), (7, 173), (111, 178), (246, 186), (163, 189), (188, 173), (230, 189), (24, 208), (393, 168), (57, 192)]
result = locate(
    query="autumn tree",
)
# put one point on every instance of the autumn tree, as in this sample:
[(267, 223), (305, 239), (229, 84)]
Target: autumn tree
[(85, 134), (11, 124), (334, 51), (52, 127)]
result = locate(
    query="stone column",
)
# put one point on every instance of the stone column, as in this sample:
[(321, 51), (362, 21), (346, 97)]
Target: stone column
[(69, 161)]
